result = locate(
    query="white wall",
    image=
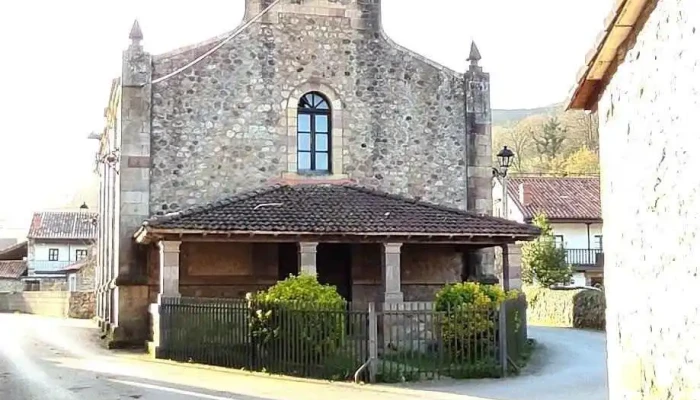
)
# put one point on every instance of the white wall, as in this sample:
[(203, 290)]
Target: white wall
[(514, 213), (66, 252), (579, 279), (576, 234)]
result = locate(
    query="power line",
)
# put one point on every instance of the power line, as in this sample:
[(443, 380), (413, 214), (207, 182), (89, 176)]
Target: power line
[(218, 46)]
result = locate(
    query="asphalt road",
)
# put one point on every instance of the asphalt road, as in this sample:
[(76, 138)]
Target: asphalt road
[(569, 364), (54, 359)]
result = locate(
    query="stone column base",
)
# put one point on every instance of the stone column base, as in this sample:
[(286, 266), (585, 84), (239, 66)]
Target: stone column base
[(489, 280)]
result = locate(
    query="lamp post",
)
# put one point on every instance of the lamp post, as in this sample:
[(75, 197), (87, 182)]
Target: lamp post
[(505, 159)]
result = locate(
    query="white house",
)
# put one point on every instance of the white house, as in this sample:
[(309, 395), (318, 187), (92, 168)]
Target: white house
[(56, 242), (572, 205)]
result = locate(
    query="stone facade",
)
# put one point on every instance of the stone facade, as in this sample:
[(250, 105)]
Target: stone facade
[(650, 200), (399, 123)]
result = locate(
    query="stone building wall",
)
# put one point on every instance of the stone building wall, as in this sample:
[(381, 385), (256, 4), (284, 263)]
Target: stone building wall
[(650, 197), (228, 124)]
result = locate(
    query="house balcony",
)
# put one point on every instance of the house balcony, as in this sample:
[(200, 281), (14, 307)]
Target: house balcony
[(584, 257), (49, 266)]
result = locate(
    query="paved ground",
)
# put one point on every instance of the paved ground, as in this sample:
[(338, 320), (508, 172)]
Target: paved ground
[(569, 364), (54, 359)]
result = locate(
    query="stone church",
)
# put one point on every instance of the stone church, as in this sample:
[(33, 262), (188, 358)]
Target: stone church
[(305, 140)]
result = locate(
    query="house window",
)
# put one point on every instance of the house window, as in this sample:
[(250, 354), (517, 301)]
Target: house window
[(598, 242), (31, 286), (314, 134), (53, 254), (80, 254), (559, 240)]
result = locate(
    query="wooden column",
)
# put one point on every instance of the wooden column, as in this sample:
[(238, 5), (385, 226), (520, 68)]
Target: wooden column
[(506, 268), (307, 258), (391, 273), (169, 269)]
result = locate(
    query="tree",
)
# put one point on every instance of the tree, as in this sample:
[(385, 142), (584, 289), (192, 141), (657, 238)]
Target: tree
[(549, 140), (544, 262), (582, 161)]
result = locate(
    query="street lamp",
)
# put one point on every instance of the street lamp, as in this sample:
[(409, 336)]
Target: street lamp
[(505, 159)]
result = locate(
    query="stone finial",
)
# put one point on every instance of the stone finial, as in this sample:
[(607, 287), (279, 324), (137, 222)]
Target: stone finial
[(474, 55), (136, 35)]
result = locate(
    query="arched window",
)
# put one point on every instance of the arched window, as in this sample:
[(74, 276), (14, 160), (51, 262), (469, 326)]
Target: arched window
[(314, 134)]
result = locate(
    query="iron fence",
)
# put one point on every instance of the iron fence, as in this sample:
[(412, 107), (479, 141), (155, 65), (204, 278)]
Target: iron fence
[(404, 341)]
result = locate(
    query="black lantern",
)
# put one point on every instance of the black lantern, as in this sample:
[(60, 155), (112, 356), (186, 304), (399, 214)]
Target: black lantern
[(505, 158), (84, 207)]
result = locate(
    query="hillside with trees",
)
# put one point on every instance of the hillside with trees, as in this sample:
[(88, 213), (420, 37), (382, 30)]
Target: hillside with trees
[(548, 140)]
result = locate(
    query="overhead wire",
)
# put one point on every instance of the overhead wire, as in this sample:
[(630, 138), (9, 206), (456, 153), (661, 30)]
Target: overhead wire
[(218, 46)]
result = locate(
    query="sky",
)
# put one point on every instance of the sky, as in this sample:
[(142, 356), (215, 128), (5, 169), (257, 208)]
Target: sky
[(58, 58)]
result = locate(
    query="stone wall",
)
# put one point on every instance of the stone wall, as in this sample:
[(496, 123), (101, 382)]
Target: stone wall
[(86, 276), (228, 124), (51, 304), (81, 305), (584, 309), (650, 207), (11, 285), (54, 284)]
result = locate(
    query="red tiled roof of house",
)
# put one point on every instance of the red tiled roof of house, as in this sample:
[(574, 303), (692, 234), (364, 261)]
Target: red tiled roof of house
[(63, 225), (559, 198), (12, 269), (336, 209)]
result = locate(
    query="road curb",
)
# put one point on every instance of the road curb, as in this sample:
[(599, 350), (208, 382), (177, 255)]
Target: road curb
[(407, 391)]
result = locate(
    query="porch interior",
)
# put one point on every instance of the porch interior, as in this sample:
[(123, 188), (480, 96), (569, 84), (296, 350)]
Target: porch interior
[(357, 270)]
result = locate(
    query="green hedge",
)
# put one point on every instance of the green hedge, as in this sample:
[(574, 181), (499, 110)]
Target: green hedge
[(579, 308)]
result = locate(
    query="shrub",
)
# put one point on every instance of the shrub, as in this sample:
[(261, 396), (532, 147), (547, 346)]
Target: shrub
[(468, 329), (543, 261), (298, 316)]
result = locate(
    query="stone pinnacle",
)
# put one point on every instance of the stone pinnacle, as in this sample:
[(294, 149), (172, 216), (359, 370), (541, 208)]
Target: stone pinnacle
[(474, 55), (136, 34)]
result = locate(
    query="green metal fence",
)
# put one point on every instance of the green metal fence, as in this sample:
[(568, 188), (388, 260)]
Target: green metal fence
[(404, 341)]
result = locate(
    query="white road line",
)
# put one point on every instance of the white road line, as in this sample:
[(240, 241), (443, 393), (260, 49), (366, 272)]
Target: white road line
[(173, 390)]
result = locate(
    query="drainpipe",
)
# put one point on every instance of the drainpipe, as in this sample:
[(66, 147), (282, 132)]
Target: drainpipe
[(588, 229)]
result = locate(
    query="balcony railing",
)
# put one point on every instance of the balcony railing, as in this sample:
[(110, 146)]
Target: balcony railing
[(49, 266), (582, 256)]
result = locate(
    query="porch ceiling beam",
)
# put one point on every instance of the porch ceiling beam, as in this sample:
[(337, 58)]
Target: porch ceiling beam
[(149, 235), (340, 239)]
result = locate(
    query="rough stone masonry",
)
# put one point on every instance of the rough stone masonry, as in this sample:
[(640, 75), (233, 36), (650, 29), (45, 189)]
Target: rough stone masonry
[(650, 197), (400, 123)]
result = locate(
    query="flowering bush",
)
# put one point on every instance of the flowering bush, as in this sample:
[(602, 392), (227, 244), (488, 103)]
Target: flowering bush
[(468, 329)]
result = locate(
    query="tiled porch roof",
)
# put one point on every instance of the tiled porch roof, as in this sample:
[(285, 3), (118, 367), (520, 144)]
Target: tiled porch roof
[(333, 210), (12, 269)]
